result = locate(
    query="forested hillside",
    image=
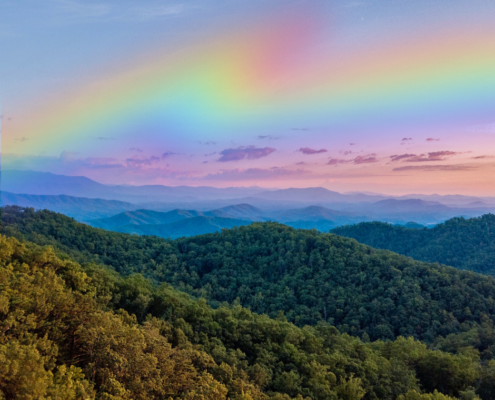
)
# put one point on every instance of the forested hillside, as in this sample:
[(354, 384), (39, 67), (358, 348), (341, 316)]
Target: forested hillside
[(462, 243), (306, 276), (71, 332)]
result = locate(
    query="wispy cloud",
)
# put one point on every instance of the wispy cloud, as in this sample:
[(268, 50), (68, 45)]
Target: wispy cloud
[(73, 11), (451, 168), (432, 140), (433, 156), (248, 152), (366, 159), (270, 137), (485, 128), (307, 150)]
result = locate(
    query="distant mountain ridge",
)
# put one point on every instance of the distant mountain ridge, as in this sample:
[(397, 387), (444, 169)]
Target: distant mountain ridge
[(193, 226), (80, 208), (45, 183)]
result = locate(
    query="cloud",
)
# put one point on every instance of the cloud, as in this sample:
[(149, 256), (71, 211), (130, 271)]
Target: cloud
[(249, 152), (485, 128), (307, 150), (336, 161), (256, 174), (167, 154), (345, 152), (72, 11), (430, 168), (104, 138), (406, 139), (68, 155), (433, 156), (22, 139), (352, 144), (134, 161), (208, 143), (300, 129), (136, 149), (396, 158), (271, 137), (482, 157), (368, 159), (432, 140), (301, 163)]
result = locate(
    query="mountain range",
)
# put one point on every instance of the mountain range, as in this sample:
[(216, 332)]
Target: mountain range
[(150, 209)]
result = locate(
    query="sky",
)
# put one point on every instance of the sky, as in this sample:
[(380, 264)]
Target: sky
[(388, 96)]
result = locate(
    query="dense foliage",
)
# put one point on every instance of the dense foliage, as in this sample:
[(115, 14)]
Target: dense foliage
[(306, 276), (462, 243), (72, 332)]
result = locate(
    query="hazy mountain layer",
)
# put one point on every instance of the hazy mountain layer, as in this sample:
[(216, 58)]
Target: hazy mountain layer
[(185, 227), (80, 208)]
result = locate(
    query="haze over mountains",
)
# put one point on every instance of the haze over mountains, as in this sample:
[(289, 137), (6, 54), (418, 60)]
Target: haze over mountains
[(184, 211)]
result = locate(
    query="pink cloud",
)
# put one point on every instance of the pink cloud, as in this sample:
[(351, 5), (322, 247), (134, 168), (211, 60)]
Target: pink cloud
[(436, 168), (433, 156), (368, 159), (307, 150), (336, 161), (134, 161), (432, 140), (396, 158), (249, 152)]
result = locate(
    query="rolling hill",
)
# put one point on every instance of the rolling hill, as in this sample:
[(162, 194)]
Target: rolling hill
[(312, 277), (463, 243), (93, 333)]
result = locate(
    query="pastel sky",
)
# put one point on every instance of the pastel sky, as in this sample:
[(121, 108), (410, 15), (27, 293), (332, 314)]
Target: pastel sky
[(391, 96)]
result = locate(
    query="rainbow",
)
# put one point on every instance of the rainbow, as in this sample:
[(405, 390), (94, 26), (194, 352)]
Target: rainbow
[(270, 79)]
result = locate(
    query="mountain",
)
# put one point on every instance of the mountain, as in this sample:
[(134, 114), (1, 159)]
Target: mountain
[(44, 183), (93, 333), (312, 277), (242, 211), (311, 213), (79, 208), (143, 217), (392, 206), (450, 200), (185, 227), (463, 243)]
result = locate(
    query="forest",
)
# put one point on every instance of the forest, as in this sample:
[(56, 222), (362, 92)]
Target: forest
[(310, 276), (91, 314), (79, 332), (462, 243)]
